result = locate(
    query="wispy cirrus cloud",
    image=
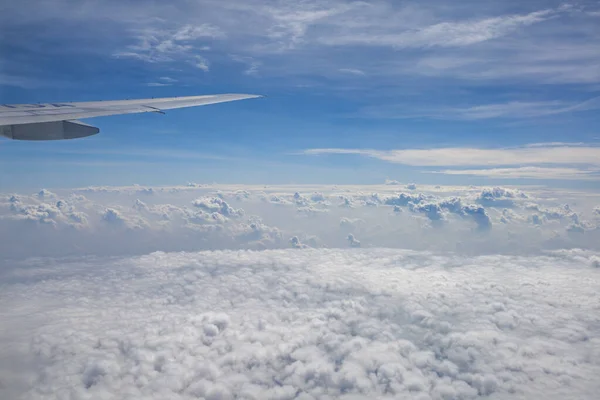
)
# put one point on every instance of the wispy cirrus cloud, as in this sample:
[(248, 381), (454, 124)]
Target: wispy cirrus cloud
[(513, 109), (443, 34), (167, 45), (461, 156), (553, 44), (352, 71), (201, 63), (162, 81), (252, 65), (526, 172), (552, 161)]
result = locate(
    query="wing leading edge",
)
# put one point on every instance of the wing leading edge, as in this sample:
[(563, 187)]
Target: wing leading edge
[(55, 121)]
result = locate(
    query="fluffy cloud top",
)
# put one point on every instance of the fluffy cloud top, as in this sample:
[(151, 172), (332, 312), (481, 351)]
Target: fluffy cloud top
[(497, 298), (302, 324), (113, 221)]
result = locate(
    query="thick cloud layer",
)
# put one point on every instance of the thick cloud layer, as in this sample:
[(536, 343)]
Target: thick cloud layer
[(138, 220), (302, 324), (314, 292)]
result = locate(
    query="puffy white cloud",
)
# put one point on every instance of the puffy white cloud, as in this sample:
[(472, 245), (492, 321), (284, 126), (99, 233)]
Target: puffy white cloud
[(312, 211), (404, 199), (479, 215), (353, 241), (295, 242), (113, 217), (46, 194), (433, 211), (351, 223), (301, 323), (348, 202), (452, 204), (118, 220), (217, 205), (500, 197), (316, 313), (317, 197)]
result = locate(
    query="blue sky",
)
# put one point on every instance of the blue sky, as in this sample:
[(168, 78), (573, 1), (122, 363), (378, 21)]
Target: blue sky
[(357, 92)]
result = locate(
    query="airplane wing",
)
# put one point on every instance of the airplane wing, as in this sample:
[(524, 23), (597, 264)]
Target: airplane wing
[(55, 121)]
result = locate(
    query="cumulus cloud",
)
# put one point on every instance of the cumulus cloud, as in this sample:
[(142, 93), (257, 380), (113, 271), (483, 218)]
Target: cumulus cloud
[(404, 199), (499, 197), (317, 197), (554, 213), (353, 241), (112, 217), (433, 211), (217, 205), (301, 323), (46, 194), (138, 220), (351, 223), (303, 292), (295, 242)]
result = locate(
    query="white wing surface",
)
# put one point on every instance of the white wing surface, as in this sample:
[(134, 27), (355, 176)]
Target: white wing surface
[(46, 121)]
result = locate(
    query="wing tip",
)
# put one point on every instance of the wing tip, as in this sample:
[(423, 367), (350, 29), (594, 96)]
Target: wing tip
[(250, 96)]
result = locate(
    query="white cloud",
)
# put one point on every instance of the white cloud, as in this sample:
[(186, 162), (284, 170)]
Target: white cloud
[(163, 81), (525, 110), (527, 159), (201, 63), (334, 303), (46, 194), (352, 71), (471, 40), (252, 65), (112, 216), (191, 32), (137, 220), (500, 197), (217, 205), (444, 34), (513, 109), (167, 79), (352, 241), (157, 84), (431, 210), (404, 199), (301, 323), (526, 172), (168, 45)]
